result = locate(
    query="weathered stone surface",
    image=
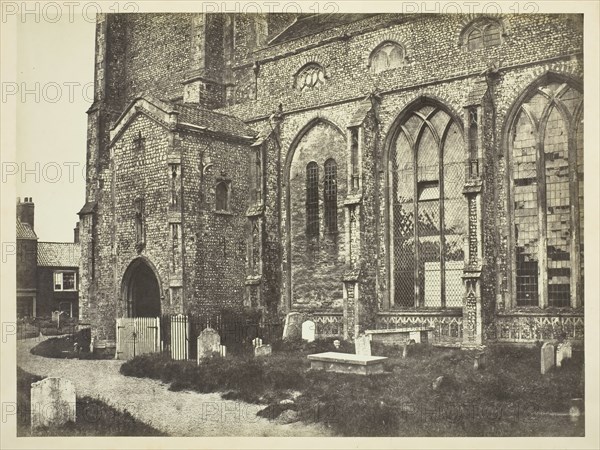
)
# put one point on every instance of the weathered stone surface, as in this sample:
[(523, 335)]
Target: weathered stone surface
[(52, 402), (308, 330), (480, 361), (347, 363), (209, 343), (263, 350), (143, 53), (576, 409), (401, 335), (564, 351), (547, 357), (362, 345), (292, 328)]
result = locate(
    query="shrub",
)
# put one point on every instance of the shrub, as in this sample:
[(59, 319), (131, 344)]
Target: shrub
[(64, 347)]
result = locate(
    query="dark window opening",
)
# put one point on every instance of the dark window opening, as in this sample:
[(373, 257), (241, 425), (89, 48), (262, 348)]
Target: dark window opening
[(330, 196), (222, 196), (312, 199)]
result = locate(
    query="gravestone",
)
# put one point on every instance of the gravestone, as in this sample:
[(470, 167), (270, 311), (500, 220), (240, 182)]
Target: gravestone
[(480, 361), (209, 343), (576, 409), (362, 346), (547, 357), (564, 350), (52, 402), (55, 316), (292, 327), (308, 330), (256, 342), (559, 355), (223, 351), (263, 350)]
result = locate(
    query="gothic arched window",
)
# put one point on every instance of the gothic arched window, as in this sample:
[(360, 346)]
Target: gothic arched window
[(483, 34), (330, 196), (312, 199), (386, 56), (546, 152), (428, 211)]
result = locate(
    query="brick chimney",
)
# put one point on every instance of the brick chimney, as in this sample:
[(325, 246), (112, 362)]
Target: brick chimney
[(76, 233), (25, 210)]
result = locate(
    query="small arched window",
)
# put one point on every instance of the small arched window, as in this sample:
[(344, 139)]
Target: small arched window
[(330, 196), (483, 34), (310, 76), (386, 56), (312, 199), (222, 196)]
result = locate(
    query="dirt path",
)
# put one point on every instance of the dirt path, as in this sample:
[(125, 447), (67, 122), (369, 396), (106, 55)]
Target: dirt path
[(175, 413)]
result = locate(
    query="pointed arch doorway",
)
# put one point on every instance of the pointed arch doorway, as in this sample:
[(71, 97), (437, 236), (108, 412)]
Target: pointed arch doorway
[(141, 290)]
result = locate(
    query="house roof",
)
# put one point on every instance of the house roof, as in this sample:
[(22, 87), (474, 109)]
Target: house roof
[(24, 231), (58, 254), (307, 24), (212, 121)]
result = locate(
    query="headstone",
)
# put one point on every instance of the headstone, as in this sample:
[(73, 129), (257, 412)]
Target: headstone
[(55, 316), (336, 343), (559, 354), (292, 327), (480, 361), (576, 409), (257, 342), (92, 343), (547, 357), (404, 351), (52, 402), (567, 350), (209, 343), (223, 351), (263, 350), (415, 336), (362, 346), (564, 350), (308, 330)]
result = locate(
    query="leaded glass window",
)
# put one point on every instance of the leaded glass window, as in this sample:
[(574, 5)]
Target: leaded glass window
[(428, 210)]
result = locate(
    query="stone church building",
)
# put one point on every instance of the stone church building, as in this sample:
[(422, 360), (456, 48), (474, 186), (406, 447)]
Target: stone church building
[(367, 170)]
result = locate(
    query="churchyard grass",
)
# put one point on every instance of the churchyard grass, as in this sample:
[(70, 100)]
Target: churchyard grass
[(94, 417), (508, 398)]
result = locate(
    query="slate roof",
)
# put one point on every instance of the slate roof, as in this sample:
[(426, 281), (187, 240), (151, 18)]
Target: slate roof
[(87, 208), (58, 254), (213, 121), (307, 24), (24, 231)]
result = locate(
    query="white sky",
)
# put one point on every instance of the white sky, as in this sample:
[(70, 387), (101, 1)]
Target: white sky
[(55, 61)]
